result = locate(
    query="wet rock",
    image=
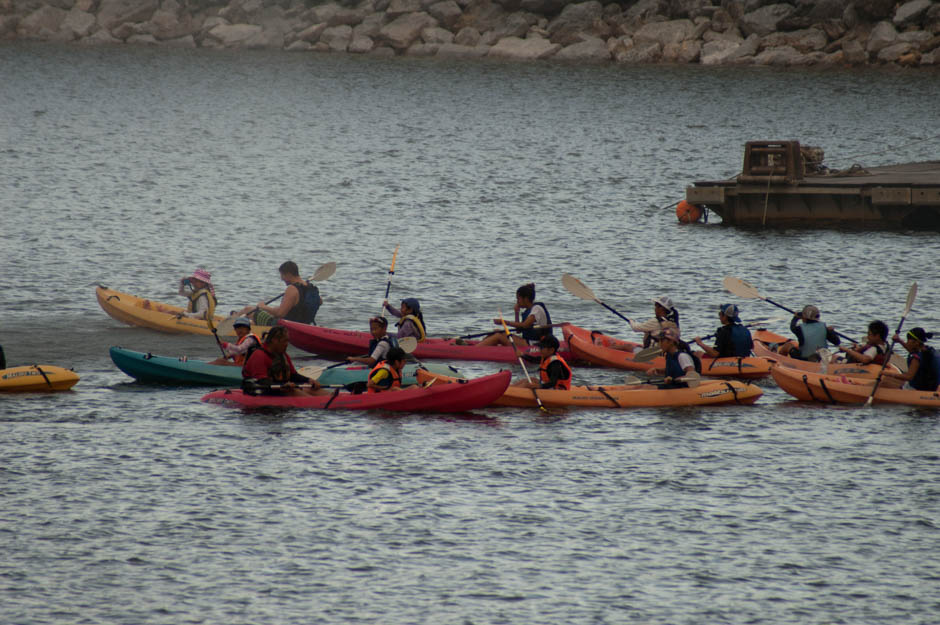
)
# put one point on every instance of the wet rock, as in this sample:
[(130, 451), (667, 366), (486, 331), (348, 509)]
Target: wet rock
[(645, 9), (785, 56), (100, 37), (764, 20), (300, 46), (311, 34), (854, 52), (422, 49), (144, 39), (77, 24), (895, 51), (574, 20), (515, 25), (337, 37), (523, 49), (649, 52), (543, 7), (232, 35), (745, 52), (370, 26), (483, 16), (911, 59), (397, 8), (591, 50), (808, 40), (360, 44), (403, 31), (683, 52), (932, 20), (8, 25), (874, 10), (911, 12), (715, 52), (457, 51), (825, 10), (882, 36), (930, 58)]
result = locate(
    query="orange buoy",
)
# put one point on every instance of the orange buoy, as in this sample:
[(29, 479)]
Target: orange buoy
[(688, 213)]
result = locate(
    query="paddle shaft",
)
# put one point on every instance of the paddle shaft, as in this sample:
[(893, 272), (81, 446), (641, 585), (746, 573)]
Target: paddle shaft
[(479, 334), (391, 272), (911, 294), (535, 394), (793, 312)]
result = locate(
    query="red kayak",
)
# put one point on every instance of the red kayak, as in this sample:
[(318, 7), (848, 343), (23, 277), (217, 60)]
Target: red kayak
[(463, 396), (342, 343)]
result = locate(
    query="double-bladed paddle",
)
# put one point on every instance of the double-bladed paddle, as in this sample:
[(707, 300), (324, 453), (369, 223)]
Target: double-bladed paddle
[(911, 296), (407, 345), (323, 272), (737, 286), (535, 393), (692, 380)]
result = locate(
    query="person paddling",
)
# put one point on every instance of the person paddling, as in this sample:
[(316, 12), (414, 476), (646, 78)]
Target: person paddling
[(531, 319), (666, 316), (679, 360), (875, 348), (732, 338), (411, 318), (300, 302), (923, 368), (239, 351), (379, 345), (554, 372), (811, 335), (386, 376), (197, 288), (270, 366)]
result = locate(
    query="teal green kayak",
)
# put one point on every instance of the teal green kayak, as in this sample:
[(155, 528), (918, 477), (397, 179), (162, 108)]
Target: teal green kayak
[(146, 367)]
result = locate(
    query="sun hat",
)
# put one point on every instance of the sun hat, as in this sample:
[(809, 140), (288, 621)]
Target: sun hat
[(810, 313), (663, 300), (412, 303), (730, 311), (242, 321), (205, 276), (669, 333)]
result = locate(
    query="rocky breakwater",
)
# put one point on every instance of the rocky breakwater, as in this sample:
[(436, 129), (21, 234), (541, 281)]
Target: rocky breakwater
[(760, 32)]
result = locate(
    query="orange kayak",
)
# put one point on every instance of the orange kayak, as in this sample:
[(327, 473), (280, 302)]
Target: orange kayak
[(809, 386), (848, 369), (708, 393), (607, 351)]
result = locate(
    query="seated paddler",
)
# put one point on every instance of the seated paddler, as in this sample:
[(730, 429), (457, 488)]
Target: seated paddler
[(811, 334), (270, 371), (236, 353), (197, 288), (732, 338), (386, 375), (679, 360), (875, 348), (379, 344), (554, 372), (410, 318), (531, 320)]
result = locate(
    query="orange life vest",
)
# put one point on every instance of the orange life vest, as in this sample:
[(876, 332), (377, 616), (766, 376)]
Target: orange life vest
[(395, 376), (563, 384), (239, 359)]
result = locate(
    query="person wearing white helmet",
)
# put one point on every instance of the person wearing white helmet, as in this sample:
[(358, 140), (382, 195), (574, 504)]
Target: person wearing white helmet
[(811, 335), (666, 316)]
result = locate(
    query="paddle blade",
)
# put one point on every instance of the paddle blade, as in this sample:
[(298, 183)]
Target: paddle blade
[(632, 380), (737, 286), (226, 327), (408, 344), (576, 287), (311, 371), (692, 379), (911, 296), (648, 354), (324, 272)]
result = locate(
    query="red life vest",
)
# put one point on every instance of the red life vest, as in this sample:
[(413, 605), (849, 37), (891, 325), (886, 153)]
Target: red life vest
[(395, 376), (562, 384)]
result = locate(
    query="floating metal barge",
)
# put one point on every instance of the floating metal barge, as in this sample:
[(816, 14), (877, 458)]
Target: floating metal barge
[(783, 184)]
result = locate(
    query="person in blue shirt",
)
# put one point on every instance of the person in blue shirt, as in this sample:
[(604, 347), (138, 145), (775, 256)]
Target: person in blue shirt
[(732, 338)]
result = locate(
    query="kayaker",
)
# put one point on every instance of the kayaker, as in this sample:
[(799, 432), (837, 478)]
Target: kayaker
[(197, 287), (300, 302), (811, 335), (666, 316), (532, 319), (411, 319), (679, 362), (875, 348), (270, 371), (732, 338), (554, 372), (386, 376), (239, 351), (923, 368), (379, 345)]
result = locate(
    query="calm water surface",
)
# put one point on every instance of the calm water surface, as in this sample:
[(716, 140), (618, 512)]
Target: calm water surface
[(126, 503)]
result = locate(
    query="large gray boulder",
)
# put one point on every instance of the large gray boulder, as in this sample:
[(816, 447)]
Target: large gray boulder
[(437, 35), (403, 31), (854, 52), (483, 16), (337, 37), (895, 51), (370, 26), (457, 51), (43, 23), (873, 10), (234, 35), (765, 20), (360, 44), (77, 24), (529, 49), (168, 22), (820, 10), (645, 9), (684, 52), (113, 13), (515, 25), (397, 8), (665, 33), (882, 35), (467, 36), (808, 40), (911, 12), (785, 56), (591, 50), (716, 51), (574, 20), (446, 13), (649, 52), (745, 52)]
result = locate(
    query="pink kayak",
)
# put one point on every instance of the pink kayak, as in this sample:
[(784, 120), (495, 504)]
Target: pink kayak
[(333, 342), (463, 396)]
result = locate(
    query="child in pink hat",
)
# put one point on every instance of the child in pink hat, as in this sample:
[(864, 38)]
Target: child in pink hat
[(197, 287)]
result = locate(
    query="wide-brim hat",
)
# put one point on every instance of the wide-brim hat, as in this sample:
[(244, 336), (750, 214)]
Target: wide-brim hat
[(663, 300), (203, 275)]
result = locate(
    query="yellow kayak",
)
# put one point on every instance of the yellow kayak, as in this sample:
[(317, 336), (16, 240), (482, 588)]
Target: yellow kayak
[(32, 378), (137, 311)]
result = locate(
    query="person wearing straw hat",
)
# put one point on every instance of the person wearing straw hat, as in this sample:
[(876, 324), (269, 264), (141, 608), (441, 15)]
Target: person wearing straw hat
[(811, 335), (197, 287), (679, 361), (732, 338), (923, 368)]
